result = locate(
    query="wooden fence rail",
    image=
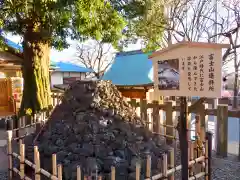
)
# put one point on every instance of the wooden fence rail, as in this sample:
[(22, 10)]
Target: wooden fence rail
[(171, 107), (199, 149), (26, 125), (167, 170)]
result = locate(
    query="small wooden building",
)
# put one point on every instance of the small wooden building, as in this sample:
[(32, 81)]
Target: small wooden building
[(132, 73)]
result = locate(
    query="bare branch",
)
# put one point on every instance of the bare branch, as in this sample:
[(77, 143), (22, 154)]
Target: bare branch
[(97, 56)]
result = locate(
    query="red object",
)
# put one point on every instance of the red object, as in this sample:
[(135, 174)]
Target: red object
[(15, 96)]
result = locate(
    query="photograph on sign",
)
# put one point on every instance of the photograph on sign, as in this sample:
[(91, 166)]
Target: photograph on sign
[(189, 69), (168, 74), (192, 75)]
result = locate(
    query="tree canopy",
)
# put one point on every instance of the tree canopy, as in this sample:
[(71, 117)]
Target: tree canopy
[(110, 21), (49, 23), (142, 17), (60, 19)]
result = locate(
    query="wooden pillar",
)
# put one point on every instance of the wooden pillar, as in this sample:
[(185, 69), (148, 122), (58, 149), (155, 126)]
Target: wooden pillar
[(143, 109), (169, 122), (156, 118), (10, 157), (184, 137), (222, 130)]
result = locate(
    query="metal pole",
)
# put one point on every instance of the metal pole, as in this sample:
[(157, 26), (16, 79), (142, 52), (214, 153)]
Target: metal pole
[(183, 136)]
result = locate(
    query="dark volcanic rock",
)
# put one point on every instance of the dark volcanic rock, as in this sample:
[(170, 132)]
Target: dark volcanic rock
[(93, 128)]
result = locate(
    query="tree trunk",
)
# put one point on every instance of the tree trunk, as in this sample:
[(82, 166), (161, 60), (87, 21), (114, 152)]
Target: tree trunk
[(235, 90), (35, 69)]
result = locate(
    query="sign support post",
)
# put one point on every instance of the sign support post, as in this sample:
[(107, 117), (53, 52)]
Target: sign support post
[(183, 136)]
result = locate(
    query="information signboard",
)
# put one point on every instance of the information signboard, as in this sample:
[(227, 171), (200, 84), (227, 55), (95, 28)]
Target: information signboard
[(189, 69)]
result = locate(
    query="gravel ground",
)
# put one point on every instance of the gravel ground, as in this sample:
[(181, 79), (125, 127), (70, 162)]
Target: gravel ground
[(225, 169)]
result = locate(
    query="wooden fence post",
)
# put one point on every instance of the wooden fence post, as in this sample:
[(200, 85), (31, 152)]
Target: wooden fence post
[(171, 163), (222, 130), (23, 125), (164, 166), (143, 109), (169, 122), (156, 118), (59, 171), (148, 166), (79, 173), (54, 164), (37, 163), (22, 160), (9, 151), (113, 173), (138, 170)]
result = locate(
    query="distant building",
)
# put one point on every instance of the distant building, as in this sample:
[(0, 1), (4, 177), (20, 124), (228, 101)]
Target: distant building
[(61, 72), (66, 73), (130, 68), (132, 73)]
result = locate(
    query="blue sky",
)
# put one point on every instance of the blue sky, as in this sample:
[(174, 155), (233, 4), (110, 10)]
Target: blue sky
[(67, 54)]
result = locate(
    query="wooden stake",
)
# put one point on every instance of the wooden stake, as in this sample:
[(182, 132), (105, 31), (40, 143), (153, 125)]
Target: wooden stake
[(79, 174), (59, 172), (9, 150), (138, 170), (171, 163), (22, 160), (37, 163), (148, 166), (54, 164), (113, 173), (164, 166)]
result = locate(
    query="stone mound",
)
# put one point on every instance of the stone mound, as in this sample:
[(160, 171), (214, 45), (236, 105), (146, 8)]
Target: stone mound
[(95, 127)]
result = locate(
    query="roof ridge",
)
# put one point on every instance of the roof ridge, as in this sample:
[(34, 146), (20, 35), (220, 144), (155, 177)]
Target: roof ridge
[(126, 53)]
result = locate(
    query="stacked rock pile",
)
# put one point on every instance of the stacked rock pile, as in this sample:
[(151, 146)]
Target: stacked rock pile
[(96, 128)]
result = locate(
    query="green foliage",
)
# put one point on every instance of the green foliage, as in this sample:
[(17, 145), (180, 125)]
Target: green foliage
[(59, 19), (145, 21), (83, 19)]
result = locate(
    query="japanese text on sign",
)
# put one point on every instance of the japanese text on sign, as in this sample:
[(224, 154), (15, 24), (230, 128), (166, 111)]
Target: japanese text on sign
[(189, 73), (201, 72), (211, 72), (195, 73)]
